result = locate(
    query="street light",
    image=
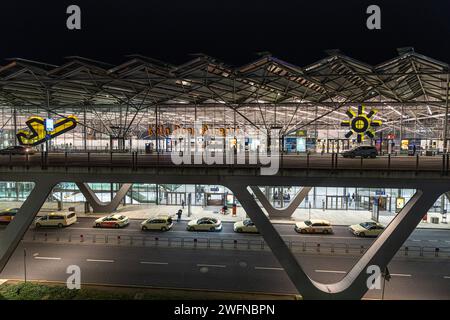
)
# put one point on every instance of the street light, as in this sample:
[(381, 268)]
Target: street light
[(386, 277), (25, 265), (309, 211)]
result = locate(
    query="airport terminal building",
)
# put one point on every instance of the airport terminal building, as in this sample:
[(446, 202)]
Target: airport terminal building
[(86, 106)]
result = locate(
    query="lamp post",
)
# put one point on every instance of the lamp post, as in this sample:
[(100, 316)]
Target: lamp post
[(309, 211), (25, 265), (386, 277)]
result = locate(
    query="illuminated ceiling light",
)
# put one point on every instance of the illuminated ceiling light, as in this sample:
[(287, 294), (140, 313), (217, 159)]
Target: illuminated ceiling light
[(183, 83), (397, 112)]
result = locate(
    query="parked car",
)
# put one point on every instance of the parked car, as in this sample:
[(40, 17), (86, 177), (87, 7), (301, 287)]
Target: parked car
[(18, 150), (112, 221), (314, 226), (204, 224), (7, 215), (361, 151), (56, 219), (367, 229), (161, 222), (246, 225)]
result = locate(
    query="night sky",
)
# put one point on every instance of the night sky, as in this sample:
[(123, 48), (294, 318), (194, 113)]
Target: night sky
[(232, 31)]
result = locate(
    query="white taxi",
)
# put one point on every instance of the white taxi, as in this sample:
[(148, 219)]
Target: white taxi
[(367, 229), (314, 226), (160, 222), (246, 225), (204, 224), (112, 221)]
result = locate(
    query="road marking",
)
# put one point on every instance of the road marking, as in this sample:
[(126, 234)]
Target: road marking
[(152, 262), (400, 275), (35, 254), (269, 268), (212, 265), (446, 277), (415, 240), (99, 260), (433, 240), (47, 258), (331, 271), (447, 241)]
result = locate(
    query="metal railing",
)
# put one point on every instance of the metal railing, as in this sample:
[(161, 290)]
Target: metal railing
[(225, 243), (135, 160)]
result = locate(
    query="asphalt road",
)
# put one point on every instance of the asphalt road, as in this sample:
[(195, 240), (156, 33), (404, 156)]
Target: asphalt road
[(216, 269), (315, 161), (420, 237)]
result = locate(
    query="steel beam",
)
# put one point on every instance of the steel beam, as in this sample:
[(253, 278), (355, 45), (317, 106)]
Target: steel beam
[(13, 234), (99, 206), (282, 213), (354, 284)]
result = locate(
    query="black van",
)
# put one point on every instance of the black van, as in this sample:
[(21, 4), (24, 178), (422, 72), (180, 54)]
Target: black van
[(361, 151)]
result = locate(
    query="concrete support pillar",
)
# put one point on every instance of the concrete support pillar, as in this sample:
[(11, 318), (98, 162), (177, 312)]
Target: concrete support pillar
[(285, 212), (11, 236), (354, 284), (99, 206)]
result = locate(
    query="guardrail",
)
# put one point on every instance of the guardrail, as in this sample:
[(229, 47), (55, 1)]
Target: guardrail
[(135, 160), (224, 243)]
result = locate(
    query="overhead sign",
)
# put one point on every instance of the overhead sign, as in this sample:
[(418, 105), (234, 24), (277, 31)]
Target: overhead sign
[(49, 124), (361, 123), (40, 130)]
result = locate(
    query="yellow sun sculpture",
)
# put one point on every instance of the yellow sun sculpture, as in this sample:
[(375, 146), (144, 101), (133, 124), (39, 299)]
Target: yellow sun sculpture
[(361, 124)]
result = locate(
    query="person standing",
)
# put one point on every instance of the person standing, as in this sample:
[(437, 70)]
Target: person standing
[(179, 213)]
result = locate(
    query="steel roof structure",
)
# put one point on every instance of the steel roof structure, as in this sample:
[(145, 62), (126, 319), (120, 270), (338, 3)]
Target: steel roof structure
[(410, 89)]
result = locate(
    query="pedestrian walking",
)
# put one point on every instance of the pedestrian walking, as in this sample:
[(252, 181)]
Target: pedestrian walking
[(182, 203), (179, 215)]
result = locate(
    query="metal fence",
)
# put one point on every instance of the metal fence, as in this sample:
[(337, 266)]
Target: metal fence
[(219, 243), (135, 160)]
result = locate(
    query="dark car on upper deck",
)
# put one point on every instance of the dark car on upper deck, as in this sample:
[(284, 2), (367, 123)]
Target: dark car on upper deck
[(361, 151)]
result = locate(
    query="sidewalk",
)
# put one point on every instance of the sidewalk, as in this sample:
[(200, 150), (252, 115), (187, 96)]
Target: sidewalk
[(336, 217), (145, 211)]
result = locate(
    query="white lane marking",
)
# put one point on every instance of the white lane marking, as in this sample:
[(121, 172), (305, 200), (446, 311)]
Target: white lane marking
[(269, 268), (415, 240), (446, 277), (35, 254), (47, 258), (330, 271), (212, 265), (99, 260), (400, 275), (153, 262), (433, 240), (447, 241)]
